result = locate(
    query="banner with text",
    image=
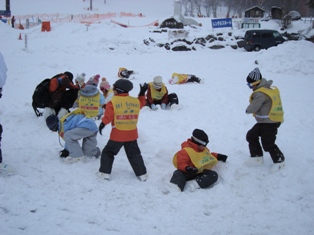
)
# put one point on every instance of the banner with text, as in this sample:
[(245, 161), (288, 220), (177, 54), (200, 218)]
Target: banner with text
[(222, 23)]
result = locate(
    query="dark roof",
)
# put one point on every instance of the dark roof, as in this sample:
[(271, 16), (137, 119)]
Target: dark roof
[(255, 7)]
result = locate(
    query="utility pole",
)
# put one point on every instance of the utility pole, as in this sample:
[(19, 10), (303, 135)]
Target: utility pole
[(91, 5), (7, 5)]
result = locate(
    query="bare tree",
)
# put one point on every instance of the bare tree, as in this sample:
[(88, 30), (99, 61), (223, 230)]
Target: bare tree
[(191, 7), (185, 6), (207, 7), (211, 6), (239, 6), (215, 5), (198, 6)]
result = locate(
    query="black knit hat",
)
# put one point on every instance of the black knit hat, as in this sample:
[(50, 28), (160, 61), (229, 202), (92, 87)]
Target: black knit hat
[(52, 122), (254, 76), (123, 85), (199, 137), (69, 75)]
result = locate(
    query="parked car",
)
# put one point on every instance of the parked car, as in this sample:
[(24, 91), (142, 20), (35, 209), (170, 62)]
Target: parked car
[(257, 39)]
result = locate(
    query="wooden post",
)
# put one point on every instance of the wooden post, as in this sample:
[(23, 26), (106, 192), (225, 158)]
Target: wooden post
[(25, 40)]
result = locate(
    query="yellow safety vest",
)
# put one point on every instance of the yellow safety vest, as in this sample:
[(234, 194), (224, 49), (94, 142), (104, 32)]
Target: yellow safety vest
[(126, 112), (90, 104), (61, 121), (120, 70), (202, 160), (182, 78), (157, 95), (276, 111)]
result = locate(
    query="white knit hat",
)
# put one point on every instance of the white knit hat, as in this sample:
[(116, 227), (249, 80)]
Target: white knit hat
[(80, 79), (157, 82)]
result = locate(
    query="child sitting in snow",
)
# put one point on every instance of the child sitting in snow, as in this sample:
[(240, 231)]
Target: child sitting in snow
[(157, 94), (181, 78), (194, 163)]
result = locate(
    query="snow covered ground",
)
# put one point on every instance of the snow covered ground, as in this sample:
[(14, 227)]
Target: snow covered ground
[(47, 196)]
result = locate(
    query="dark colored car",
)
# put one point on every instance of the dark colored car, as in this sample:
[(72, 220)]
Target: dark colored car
[(257, 39)]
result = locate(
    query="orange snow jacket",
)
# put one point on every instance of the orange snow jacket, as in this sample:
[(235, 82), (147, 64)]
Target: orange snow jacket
[(62, 82)]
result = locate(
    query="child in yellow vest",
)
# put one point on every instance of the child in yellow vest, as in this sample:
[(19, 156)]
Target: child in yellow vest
[(194, 163), (157, 94), (125, 73), (90, 99), (266, 107), (181, 78), (71, 128), (123, 112)]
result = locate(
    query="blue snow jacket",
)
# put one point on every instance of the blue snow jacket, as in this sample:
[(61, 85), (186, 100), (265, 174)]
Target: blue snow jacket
[(79, 121)]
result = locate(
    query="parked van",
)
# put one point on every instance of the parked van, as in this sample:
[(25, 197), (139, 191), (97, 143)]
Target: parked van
[(257, 39)]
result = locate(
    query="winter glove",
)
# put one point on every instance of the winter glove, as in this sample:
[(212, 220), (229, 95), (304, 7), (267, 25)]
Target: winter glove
[(163, 106), (153, 107), (143, 89), (222, 157), (191, 170), (101, 126), (64, 153), (98, 117)]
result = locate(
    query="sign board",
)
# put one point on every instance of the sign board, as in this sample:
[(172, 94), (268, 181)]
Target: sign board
[(5, 13), (250, 25), (222, 23), (251, 20)]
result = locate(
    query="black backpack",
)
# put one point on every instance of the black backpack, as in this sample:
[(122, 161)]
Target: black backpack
[(41, 96)]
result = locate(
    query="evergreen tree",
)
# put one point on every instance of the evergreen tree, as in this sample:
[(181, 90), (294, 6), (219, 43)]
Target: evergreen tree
[(311, 4)]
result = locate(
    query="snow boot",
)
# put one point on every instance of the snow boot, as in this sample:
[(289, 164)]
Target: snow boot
[(255, 161)]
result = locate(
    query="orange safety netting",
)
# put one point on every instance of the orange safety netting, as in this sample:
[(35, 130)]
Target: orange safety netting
[(36, 19), (155, 23)]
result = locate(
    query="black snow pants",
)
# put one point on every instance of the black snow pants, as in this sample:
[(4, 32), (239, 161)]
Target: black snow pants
[(133, 154), (267, 132), (204, 179)]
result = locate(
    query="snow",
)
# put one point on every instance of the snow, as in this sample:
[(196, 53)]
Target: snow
[(47, 196)]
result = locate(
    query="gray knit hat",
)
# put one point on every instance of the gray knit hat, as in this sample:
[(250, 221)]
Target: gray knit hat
[(123, 85)]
